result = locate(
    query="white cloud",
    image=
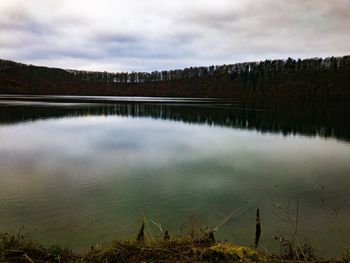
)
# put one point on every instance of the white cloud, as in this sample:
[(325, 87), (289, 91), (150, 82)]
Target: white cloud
[(149, 35)]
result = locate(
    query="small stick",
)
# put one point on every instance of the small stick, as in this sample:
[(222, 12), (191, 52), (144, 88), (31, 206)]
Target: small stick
[(302, 251), (257, 229), (166, 236), (158, 225), (29, 259), (193, 225), (141, 234), (296, 218), (211, 237)]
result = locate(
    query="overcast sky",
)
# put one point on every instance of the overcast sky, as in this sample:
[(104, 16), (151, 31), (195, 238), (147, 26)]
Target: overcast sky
[(145, 35)]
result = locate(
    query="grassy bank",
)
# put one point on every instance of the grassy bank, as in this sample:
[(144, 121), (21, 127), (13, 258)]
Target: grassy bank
[(17, 248), (191, 247)]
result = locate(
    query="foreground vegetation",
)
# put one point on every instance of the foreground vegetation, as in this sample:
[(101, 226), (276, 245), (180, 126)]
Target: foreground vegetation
[(193, 247), (16, 249), (19, 248)]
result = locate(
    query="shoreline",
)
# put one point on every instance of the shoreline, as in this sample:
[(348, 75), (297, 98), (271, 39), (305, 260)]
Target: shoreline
[(146, 248)]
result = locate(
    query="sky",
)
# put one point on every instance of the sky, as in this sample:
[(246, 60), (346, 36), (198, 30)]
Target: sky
[(147, 35)]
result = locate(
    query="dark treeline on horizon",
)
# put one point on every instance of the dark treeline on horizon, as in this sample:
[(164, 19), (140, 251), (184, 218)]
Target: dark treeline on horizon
[(308, 78), (303, 118)]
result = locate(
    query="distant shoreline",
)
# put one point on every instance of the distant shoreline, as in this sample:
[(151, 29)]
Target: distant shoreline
[(314, 78)]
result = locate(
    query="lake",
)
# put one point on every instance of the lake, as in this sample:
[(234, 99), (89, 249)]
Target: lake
[(85, 170)]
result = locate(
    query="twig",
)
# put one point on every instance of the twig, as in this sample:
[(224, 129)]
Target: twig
[(166, 236), (141, 234), (150, 236), (235, 214), (297, 254), (158, 225), (302, 251), (192, 225), (296, 219), (257, 229), (29, 259)]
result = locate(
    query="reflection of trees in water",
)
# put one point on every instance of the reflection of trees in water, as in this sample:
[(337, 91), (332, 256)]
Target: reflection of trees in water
[(305, 118)]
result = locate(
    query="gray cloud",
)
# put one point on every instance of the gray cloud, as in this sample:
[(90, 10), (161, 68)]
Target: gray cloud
[(149, 35)]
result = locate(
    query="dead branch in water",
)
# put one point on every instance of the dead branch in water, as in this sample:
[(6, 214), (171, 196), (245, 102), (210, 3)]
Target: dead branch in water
[(166, 236), (257, 229), (192, 225), (141, 234)]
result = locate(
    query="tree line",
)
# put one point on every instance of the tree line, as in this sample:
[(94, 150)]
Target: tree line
[(328, 77), (245, 71)]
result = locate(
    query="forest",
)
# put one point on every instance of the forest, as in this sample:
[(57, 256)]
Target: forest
[(326, 78)]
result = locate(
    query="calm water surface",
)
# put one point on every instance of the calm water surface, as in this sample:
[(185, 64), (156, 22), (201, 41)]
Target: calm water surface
[(81, 170)]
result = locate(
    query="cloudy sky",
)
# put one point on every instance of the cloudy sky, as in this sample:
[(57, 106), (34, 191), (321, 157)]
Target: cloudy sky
[(145, 35)]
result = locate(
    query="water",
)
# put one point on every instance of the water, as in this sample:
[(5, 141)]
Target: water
[(83, 170)]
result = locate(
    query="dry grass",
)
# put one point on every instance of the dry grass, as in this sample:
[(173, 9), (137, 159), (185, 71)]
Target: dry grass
[(178, 250), (20, 249), (16, 248)]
